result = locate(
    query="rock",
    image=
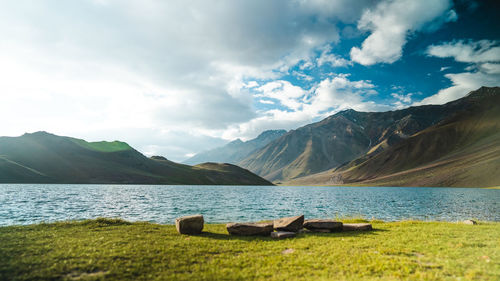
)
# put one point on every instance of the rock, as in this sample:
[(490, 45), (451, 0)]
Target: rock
[(249, 228), (356, 226), (318, 225), (471, 222), (293, 224), (189, 224), (322, 230), (282, 234)]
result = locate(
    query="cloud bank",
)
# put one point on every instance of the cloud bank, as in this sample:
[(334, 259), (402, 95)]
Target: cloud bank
[(483, 57), (391, 22)]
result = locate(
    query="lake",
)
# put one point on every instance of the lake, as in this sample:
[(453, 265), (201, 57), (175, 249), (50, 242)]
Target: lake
[(33, 203)]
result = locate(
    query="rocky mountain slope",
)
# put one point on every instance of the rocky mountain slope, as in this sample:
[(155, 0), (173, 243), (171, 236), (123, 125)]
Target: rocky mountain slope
[(347, 136), (461, 150)]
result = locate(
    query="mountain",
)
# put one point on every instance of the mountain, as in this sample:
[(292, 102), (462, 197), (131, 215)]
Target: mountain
[(46, 158), (236, 150), (462, 150), (353, 136)]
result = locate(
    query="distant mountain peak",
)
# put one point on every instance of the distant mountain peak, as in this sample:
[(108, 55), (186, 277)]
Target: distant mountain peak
[(156, 157), (39, 133), (484, 92), (236, 150), (236, 141), (271, 133)]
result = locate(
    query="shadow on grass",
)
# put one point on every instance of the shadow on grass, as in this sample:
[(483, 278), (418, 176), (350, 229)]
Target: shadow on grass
[(226, 236)]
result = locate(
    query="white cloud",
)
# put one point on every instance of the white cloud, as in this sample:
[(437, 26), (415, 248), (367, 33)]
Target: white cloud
[(303, 106), (402, 98), (490, 68), (467, 51), (484, 56), (283, 91), (327, 57), (266, 101), (302, 76), (443, 68), (251, 84), (463, 83), (80, 67), (391, 22)]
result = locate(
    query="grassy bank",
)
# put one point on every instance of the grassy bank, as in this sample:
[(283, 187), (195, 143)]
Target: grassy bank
[(118, 250)]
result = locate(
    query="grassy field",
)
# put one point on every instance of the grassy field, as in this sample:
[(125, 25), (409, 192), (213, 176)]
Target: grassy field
[(106, 249)]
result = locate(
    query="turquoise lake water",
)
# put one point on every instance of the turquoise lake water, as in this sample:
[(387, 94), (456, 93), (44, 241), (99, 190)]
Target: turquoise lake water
[(32, 203)]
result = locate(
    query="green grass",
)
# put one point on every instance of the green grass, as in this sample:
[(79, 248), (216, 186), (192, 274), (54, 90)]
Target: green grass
[(118, 250), (103, 146)]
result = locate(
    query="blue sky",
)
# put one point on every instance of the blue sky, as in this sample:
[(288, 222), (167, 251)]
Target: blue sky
[(178, 77)]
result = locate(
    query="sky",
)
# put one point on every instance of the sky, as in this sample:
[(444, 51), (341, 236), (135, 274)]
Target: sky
[(175, 78)]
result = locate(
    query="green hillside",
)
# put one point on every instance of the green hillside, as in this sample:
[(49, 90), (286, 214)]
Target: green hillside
[(46, 158), (462, 150)]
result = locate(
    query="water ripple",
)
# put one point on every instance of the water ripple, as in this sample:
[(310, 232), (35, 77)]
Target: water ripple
[(30, 203)]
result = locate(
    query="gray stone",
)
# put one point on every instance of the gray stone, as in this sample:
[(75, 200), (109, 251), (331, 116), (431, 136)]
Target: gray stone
[(189, 224), (282, 234), (293, 224), (318, 225), (471, 222), (356, 227), (249, 228)]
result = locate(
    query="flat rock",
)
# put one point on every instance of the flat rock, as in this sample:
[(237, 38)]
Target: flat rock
[(322, 230), (319, 225), (356, 226), (292, 224), (250, 228), (189, 224), (471, 222), (282, 234)]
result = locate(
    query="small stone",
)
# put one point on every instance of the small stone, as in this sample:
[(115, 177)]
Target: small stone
[(189, 224), (293, 224), (318, 225), (356, 227), (471, 222), (287, 251), (282, 234), (249, 228)]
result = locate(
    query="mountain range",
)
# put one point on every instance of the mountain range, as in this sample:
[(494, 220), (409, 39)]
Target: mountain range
[(456, 144), (236, 150), (46, 158)]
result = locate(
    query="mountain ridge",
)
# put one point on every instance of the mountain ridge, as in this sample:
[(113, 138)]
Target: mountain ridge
[(346, 136), (461, 150), (42, 157), (236, 150)]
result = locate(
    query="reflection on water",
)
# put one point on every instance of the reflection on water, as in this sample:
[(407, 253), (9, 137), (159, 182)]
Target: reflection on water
[(31, 203)]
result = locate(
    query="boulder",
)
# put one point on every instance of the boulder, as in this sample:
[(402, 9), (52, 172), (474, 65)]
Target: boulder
[(293, 224), (249, 228), (471, 222), (282, 234), (356, 226), (189, 224), (318, 225)]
